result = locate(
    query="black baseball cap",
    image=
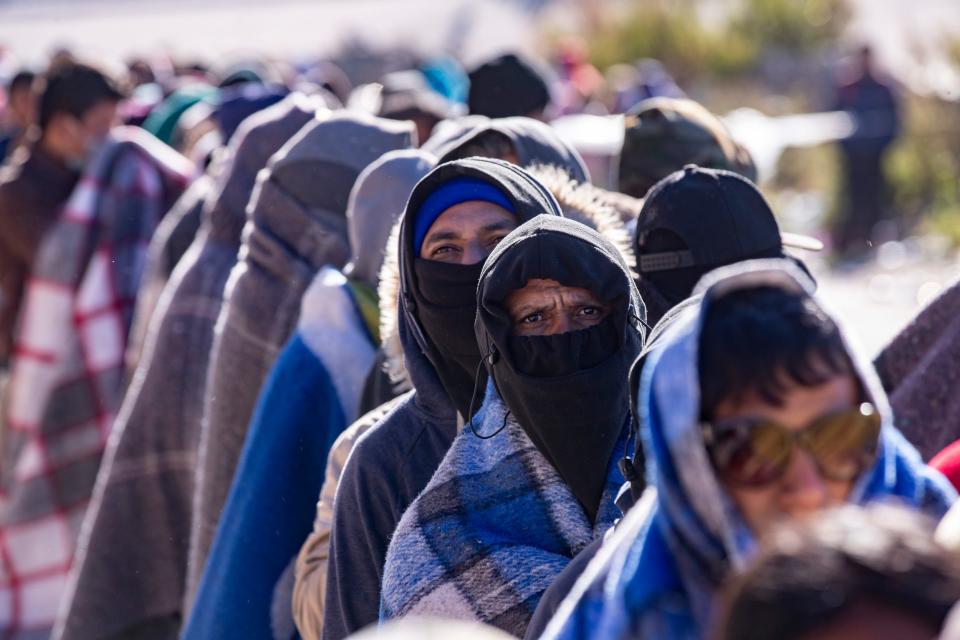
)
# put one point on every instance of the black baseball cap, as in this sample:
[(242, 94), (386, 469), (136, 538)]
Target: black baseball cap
[(719, 217)]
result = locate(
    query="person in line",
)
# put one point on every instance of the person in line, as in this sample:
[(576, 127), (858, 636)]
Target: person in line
[(508, 85), (77, 106), (296, 225), (20, 113), (138, 522), (454, 218), (68, 375), (532, 479), (310, 396), (874, 572), (696, 220), (662, 135), (755, 411)]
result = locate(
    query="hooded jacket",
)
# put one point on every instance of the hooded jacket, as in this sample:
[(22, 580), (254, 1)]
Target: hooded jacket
[(657, 574), (296, 225), (310, 396), (392, 462), (526, 520), (138, 523), (533, 142), (919, 372)]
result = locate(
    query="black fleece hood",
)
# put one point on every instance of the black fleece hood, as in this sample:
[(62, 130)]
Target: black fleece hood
[(569, 392), (437, 316)]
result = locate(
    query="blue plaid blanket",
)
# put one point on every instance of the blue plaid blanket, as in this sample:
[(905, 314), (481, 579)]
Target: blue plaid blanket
[(491, 531)]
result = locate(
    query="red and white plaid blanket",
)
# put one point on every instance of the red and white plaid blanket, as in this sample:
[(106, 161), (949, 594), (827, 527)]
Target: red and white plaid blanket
[(67, 375)]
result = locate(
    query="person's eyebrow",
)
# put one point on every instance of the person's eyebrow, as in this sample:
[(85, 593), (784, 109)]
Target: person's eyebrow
[(502, 225), (441, 236)]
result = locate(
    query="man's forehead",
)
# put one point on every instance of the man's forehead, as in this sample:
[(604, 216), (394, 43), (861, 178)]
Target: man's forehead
[(473, 215)]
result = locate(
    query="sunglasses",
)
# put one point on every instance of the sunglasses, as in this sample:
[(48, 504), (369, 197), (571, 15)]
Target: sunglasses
[(755, 452)]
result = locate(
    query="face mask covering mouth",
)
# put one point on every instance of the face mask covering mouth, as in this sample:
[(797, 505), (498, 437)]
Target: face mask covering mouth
[(446, 307), (567, 391)]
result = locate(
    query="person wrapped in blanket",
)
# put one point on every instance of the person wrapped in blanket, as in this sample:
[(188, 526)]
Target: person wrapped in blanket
[(531, 480), (755, 410)]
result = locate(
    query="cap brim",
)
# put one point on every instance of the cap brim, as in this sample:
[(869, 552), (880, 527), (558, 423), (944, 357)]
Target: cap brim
[(798, 241)]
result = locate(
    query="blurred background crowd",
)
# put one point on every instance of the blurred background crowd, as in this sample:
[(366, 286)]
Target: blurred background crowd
[(757, 63)]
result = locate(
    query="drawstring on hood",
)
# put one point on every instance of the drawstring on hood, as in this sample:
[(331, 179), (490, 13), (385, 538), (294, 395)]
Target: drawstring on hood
[(567, 391)]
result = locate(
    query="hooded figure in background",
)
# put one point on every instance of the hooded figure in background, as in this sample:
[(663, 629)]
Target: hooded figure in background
[(454, 217), (68, 377), (508, 85), (662, 135), (533, 478), (657, 574), (138, 523), (310, 396), (296, 225)]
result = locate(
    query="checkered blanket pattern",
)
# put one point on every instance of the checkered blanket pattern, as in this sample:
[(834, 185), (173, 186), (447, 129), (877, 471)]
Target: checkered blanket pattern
[(68, 376), (491, 531)]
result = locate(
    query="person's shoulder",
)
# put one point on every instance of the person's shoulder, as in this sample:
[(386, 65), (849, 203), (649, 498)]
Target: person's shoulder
[(394, 433)]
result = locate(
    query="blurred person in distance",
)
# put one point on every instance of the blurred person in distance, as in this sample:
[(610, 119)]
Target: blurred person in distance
[(77, 106)]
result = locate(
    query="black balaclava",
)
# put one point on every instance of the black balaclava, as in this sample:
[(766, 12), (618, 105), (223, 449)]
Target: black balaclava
[(440, 298), (569, 392)]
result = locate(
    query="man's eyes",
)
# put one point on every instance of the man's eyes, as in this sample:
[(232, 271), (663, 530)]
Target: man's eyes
[(533, 318), (444, 250), (589, 311)]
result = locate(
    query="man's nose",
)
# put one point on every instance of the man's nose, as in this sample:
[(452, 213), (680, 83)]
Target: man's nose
[(803, 488), (562, 323), (474, 252)]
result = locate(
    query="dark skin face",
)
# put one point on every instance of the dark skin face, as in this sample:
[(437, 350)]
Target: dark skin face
[(466, 233), (545, 307)]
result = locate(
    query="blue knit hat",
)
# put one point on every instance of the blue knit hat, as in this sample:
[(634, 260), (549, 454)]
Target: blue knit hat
[(451, 193)]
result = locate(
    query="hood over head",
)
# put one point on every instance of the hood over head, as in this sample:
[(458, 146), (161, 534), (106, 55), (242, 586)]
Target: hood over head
[(257, 138), (568, 391), (533, 142), (375, 203), (302, 195), (705, 532), (438, 300)]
